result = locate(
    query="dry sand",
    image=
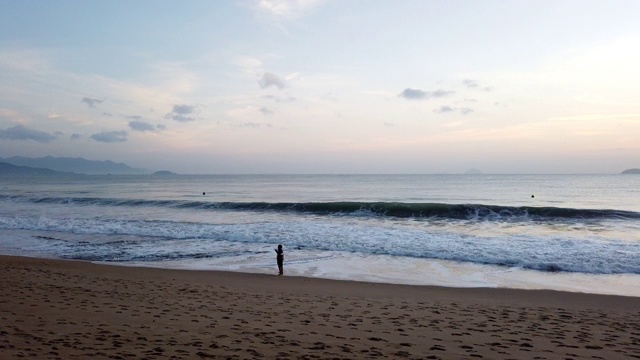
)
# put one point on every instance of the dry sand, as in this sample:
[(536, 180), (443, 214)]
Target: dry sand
[(53, 309)]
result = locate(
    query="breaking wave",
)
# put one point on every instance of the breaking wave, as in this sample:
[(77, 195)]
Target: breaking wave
[(390, 209)]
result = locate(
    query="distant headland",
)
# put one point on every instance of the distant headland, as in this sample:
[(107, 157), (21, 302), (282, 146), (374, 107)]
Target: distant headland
[(631, 171), (72, 165), (75, 165), (10, 169), (50, 165)]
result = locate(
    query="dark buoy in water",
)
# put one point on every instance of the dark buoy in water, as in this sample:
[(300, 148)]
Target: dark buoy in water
[(532, 196), (203, 193)]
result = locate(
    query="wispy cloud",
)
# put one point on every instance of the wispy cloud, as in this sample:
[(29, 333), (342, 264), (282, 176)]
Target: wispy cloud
[(288, 9), (180, 113), (21, 132), (448, 109), (470, 83), (417, 94), (91, 102), (110, 136), (474, 84), (443, 109), (266, 111), (249, 64), (279, 99), (255, 125), (440, 93), (413, 94), (137, 125), (270, 79)]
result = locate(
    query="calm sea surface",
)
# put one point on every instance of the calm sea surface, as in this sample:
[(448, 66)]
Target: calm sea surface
[(569, 232)]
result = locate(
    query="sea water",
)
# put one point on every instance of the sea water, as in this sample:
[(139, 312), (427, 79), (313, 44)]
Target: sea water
[(565, 232)]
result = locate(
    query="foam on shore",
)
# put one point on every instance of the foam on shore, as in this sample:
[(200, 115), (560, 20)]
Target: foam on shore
[(412, 271)]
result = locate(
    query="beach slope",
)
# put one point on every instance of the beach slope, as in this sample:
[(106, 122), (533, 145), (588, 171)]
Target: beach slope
[(51, 309)]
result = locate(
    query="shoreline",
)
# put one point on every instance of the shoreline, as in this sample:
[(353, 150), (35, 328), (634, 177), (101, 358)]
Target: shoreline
[(61, 309), (388, 269)]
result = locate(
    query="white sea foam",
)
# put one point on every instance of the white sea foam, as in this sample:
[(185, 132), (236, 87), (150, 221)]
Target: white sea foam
[(409, 271), (576, 251)]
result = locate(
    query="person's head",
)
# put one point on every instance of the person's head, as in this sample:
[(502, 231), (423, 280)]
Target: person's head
[(279, 246)]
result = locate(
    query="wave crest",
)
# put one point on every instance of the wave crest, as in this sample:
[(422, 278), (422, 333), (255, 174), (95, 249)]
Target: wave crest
[(391, 209)]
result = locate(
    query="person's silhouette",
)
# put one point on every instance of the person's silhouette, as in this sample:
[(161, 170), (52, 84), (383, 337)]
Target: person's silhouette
[(280, 259)]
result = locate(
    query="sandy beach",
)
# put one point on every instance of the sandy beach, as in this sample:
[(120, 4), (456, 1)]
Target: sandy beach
[(52, 309)]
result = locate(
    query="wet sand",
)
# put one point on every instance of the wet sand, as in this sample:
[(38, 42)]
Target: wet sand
[(52, 309)]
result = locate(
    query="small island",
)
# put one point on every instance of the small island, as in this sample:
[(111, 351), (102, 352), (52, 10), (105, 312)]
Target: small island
[(631, 171), (163, 173)]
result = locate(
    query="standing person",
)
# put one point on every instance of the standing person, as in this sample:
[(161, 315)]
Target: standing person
[(280, 258)]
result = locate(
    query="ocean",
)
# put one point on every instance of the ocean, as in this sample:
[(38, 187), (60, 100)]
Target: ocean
[(563, 232)]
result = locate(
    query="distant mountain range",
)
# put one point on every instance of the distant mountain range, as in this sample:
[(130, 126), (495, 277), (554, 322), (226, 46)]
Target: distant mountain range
[(631, 171), (10, 169), (66, 164)]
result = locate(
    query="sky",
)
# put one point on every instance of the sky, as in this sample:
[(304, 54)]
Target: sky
[(324, 87)]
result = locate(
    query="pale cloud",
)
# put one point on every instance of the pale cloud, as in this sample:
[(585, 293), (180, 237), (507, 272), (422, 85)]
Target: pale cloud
[(180, 113), (470, 83), (137, 125), (110, 136), (288, 9), (91, 102), (255, 125), (292, 76), (443, 109), (279, 98), (413, 94), (183, 109), (266, 111), (270, 79), (417, 94), (440, 93), (21, 132), (248, 62), (448, 109), (474, 84)]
